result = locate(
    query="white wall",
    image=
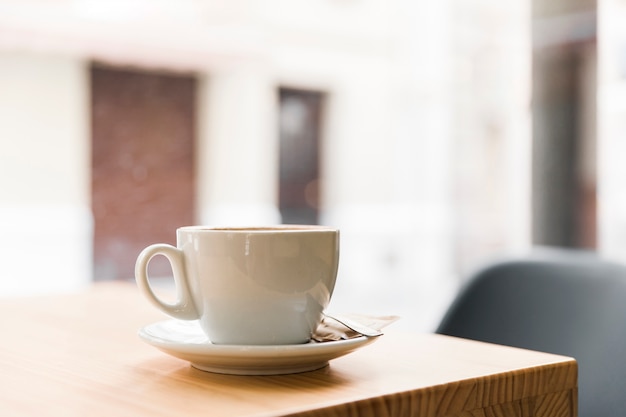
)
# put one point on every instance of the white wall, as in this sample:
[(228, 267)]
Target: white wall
[(388, 141), (237, 148), (612, 129), (385, 162), (45, 220)]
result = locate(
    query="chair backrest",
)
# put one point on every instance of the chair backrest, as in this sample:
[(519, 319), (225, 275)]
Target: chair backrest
[(567, 302)]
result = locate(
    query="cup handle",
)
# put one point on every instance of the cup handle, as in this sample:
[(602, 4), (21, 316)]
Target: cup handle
[(183, 308)]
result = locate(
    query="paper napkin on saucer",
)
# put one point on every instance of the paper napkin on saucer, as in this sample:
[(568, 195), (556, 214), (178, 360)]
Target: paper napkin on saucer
[(332, 330)]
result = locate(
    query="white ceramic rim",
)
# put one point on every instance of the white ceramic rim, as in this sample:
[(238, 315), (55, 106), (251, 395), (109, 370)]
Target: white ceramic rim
[(283, 228)]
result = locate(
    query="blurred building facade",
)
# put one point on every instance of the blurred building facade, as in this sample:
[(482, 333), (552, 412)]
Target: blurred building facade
[(422, 132)]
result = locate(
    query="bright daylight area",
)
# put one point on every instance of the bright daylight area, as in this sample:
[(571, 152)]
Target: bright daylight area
[(436, 135)]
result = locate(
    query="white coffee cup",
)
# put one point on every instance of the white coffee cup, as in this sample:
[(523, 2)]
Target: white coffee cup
[(249, 286)]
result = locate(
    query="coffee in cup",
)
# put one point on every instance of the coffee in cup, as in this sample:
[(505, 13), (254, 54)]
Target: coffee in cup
[(249, 286)]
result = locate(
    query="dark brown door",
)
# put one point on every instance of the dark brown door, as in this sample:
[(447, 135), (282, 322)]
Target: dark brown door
[(142, 162), (300, 129)]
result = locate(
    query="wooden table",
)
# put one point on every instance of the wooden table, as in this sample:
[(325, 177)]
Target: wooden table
[(79, 355)]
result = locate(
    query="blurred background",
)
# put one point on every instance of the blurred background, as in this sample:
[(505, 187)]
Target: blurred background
[(436, 135)]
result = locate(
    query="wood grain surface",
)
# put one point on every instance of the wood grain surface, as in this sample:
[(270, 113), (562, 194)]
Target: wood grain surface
[(79, 355)]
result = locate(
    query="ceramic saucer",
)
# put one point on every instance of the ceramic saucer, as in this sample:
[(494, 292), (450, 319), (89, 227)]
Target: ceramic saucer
[(185, 340)]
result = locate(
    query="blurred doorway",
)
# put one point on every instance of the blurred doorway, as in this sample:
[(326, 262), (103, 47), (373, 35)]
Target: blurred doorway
[(142, 128), (564, 89), (300, 130)]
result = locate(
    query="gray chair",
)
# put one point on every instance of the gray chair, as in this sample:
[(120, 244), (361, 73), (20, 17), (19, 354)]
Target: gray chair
[(567, 302)]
